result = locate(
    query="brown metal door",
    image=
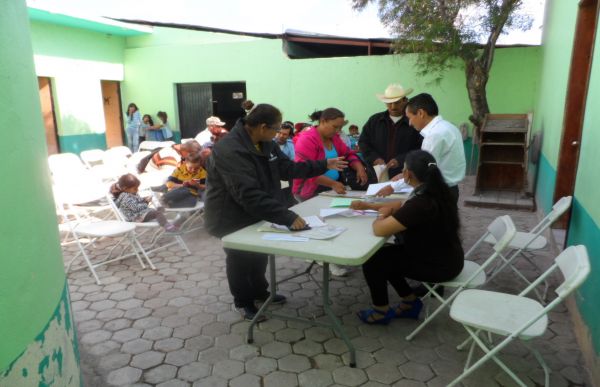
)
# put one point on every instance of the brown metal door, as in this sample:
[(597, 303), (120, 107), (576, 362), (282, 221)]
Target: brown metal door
[(47, 103), (579, 76), (113, 117)]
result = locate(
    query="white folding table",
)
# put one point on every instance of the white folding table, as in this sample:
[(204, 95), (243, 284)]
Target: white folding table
[(352, 247)]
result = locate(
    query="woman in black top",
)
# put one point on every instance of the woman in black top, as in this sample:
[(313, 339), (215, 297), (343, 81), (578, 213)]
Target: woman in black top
[(431, 251), (243, 187)]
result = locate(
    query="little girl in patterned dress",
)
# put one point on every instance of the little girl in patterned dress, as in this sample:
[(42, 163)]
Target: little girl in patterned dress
[(135, 208)]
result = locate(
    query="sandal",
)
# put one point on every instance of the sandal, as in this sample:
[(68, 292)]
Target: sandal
[(413, 312), (368, 316)]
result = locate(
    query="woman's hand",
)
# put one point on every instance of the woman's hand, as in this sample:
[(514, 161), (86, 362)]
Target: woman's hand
[(298, 224), (393, 163), (385, 191), (339, 187), (361, 175), (337, 163), (384, 212), (359, 205)]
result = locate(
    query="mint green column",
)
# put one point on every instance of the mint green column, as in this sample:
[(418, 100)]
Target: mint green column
[(38, 345)]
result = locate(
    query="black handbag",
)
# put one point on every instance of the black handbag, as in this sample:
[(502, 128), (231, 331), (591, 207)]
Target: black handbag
[(349, 177)]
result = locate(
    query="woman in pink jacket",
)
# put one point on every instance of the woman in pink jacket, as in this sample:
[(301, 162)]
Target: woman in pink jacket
[(323, 141)]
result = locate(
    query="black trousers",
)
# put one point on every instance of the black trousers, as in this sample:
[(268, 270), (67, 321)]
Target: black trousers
[(246, 276), (390, 264), (180, 198), (454, 193)]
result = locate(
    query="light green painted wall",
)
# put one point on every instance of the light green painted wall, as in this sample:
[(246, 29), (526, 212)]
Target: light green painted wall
[(32, 278), (154, 64), (77, 60), (559, 30)]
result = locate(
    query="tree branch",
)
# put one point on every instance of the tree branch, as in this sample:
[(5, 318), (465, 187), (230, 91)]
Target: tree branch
[(506, 9)]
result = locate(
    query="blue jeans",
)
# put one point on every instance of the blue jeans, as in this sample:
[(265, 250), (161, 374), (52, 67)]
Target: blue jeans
[(133, 139)]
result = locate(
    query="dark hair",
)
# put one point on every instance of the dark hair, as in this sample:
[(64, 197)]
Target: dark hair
[(162, 116), (353, 127), (423, 165), (130, 106), (423, 101), (326, 115), (194, 158), (247, 104), (126, 181), (288, 125), (263, 114), (192, 146), (149, 119)]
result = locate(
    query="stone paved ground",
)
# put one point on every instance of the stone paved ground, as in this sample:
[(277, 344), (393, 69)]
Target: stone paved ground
[(176, 327)]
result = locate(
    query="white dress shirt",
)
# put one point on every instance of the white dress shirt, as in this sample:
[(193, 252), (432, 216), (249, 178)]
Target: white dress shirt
[(203, 137), (444, 141)]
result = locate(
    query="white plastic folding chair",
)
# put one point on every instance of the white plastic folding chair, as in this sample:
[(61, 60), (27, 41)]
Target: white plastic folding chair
[(514, 317), (472, 274), (92, 157), (135, 159), (524, 244), (65, 166), (143, 228), (115, 160)]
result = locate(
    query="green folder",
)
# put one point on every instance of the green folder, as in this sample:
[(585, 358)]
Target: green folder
[(341, 202)]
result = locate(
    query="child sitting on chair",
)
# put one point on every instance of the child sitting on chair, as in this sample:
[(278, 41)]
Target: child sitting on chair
[(186, 183), (135, 208)]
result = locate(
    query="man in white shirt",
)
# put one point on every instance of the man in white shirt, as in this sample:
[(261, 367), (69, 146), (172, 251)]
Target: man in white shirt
[(214, 125), (440, 138)]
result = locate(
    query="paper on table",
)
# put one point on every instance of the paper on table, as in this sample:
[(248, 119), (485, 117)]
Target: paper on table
[(314, 221), (399, 187), (374, 188), (284, 237), (325, 212), (348, 194), (341, 202), (348, 213)]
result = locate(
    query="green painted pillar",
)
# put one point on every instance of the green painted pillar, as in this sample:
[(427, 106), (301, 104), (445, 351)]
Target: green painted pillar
[(38, 344)]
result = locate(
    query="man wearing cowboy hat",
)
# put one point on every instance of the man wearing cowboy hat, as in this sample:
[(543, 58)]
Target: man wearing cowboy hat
[(214, 127), (387, 136)]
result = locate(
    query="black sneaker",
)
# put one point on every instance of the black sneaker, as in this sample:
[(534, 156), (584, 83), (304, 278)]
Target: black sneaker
[(277, 300), (248, 312)]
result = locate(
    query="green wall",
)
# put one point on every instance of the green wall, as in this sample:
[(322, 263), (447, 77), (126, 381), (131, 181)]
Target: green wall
[(155, 63), (77, 60), (32, 279), (585, 218)]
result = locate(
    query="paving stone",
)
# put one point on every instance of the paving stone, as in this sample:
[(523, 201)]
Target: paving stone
[(157, 333), (174, 321), (215, 329), (95, 337), (228, 369), (416, 371), (245, 380), (160, 374), (136, 346), (193, 371), (367, 344), (261, 365), (280, 379), (420, 355), (110, 314), (383, 373), (168, 345), (114, 361), (293, 363), (307, 347), (272, 325), (335, 346), (147, 322), (102, 305), (186, 331), (88, 326), (181, 357), (327, 362), (174, 383), (228, 341), (199, 343), (211, 381), (118, 324), (363, 359), (127, 334), (147, 359), (243, 352), (289, 335), (315, 378), (103, 348), (349, 376), (385, 355), (137, 313), (124, 376), (276, 350)]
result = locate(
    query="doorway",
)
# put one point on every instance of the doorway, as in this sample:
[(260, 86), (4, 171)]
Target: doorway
[(198, 101), (113, 116), (579, 76), (47, 104)]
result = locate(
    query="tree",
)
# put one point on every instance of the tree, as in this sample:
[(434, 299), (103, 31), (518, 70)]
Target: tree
[(442, 31)]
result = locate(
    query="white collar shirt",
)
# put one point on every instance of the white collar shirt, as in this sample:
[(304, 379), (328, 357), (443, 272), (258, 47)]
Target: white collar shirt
[(444, 141), (203, 137)]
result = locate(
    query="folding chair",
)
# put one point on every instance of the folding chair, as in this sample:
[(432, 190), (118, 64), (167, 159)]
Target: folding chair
[(515, 316), (142, 228), (92, 157), (64, 166), (115, 160), (525, 243), (472, 274)]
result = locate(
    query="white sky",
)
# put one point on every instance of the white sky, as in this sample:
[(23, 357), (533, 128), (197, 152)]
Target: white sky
[(333, 17)]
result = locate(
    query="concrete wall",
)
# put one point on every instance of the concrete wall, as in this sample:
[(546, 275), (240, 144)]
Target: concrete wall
[(38, 337), (583, 229), (77, 60)]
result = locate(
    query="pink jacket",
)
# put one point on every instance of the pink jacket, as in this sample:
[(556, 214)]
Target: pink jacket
[(309, 146)]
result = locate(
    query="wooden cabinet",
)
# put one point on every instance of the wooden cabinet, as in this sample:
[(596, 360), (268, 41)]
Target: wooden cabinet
[(503, 145)]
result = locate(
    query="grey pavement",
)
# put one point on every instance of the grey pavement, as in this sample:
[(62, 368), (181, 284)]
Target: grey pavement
[(176, 327)]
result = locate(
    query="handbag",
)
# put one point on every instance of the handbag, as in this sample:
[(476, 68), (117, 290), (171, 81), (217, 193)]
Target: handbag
[(349, 177)]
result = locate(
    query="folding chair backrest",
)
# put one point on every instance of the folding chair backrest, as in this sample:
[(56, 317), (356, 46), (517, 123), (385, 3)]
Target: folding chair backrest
[(559, 208), (574, 264), (92, 157), (116, 159), (65, 165), (503, 230), (114, 208), (121, 150)]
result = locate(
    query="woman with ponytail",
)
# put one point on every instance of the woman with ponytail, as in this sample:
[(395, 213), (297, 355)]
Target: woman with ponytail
[(428, 224)]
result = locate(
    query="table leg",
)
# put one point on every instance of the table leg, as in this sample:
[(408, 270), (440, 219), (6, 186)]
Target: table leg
[(336, 325), (263, 308)]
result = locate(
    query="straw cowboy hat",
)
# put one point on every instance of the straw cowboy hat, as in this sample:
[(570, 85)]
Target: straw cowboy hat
[(393, 93)]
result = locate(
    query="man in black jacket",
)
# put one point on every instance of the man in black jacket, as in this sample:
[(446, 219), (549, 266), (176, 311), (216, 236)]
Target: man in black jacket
[(243, 187), (387, 137)]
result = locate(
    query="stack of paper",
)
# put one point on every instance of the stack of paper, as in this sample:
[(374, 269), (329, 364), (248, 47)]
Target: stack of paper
[(341, 202), (399, 187)]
